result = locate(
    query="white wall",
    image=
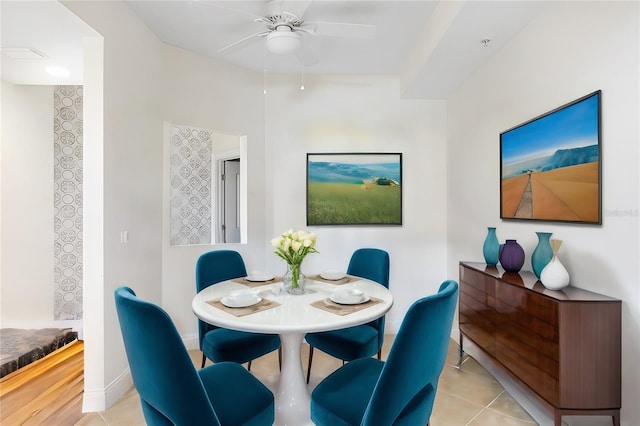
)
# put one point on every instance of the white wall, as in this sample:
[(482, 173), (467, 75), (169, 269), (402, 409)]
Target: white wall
[(360, 114), (573, 49), (26, 283), (203, 93)]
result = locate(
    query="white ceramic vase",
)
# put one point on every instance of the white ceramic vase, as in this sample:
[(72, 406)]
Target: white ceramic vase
[(554, 276)]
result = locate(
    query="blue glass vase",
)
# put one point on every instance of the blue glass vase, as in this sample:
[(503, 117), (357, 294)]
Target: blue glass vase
[(491, 247), (512, 256), (542, 254)]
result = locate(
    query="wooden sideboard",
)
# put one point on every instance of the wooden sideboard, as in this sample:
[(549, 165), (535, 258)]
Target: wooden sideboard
[(564, 346)]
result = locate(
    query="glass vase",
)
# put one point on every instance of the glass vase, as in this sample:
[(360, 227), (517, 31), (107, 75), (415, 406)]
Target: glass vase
[(491, 247), (294, 280), (542, 254)]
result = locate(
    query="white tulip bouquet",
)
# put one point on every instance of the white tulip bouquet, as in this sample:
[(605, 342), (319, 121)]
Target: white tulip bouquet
[(292, 247)]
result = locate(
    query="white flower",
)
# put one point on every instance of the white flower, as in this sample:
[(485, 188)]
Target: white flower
[(292, 246)]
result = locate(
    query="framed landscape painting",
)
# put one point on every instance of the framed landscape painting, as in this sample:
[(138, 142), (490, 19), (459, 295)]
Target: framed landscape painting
[(550, 166), (354, 189)]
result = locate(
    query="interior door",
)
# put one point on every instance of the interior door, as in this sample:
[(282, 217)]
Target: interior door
[(231, 201)]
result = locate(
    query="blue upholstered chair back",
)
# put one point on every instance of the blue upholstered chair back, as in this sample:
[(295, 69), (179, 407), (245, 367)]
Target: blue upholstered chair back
[(170, 389), (372, 264), (406, 389), (214, 267)]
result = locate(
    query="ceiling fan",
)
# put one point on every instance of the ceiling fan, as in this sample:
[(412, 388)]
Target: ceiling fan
[(285, 27)]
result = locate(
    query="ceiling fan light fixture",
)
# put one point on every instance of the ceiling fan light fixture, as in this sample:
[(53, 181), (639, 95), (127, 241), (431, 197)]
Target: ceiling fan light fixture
[(283, 41)]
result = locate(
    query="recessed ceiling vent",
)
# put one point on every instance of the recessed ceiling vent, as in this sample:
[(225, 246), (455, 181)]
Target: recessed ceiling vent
[(22, 53)]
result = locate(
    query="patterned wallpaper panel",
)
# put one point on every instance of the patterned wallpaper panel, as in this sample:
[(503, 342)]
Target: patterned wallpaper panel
[(190, 185), (67, 199)]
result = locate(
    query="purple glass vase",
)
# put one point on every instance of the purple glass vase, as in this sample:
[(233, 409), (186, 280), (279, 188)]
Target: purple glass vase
[(512, 256)]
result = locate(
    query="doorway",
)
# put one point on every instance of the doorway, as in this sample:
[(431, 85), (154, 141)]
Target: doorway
[(229, 201)]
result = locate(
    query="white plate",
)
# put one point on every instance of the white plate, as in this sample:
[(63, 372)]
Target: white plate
[(240, 301), (333, 275), (351, 301), (260, 277)]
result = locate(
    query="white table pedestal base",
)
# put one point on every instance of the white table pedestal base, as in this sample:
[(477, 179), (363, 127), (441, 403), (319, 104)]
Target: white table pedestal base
[(292, 397)]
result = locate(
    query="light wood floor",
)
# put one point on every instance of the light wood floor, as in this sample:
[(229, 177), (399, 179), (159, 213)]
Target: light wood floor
[(46, 392), (468, 396)]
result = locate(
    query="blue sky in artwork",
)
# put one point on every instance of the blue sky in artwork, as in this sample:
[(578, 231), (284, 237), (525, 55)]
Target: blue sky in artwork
[(570, 127), (348, 169)]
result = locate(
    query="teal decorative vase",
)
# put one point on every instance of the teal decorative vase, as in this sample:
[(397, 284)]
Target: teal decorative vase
[(542, 254), (491, 247)]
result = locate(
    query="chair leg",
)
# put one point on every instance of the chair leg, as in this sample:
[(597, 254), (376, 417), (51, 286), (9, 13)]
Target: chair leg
[(280, 358), (249, 366), (310, 361), (204, 359), (380, 354)]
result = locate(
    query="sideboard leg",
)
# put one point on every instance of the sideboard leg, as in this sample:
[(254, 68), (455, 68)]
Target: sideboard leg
[(557, 418), (616, 419), (461, 354)]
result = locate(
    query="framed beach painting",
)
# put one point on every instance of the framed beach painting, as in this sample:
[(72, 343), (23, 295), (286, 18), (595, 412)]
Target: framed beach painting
[(354, 189), (550, 166)]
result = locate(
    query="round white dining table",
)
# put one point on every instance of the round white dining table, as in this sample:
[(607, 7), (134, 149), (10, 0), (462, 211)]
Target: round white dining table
[(291, 320)]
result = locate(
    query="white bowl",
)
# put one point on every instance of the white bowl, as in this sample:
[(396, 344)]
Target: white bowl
[(240, 299), (259, 276), (332, 275), (349, 294)]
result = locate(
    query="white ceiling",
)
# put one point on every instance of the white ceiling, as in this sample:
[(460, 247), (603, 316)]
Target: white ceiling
[(48, 28), (433, 46)]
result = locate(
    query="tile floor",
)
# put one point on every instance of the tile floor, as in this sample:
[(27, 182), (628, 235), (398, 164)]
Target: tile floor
[(469, 396)]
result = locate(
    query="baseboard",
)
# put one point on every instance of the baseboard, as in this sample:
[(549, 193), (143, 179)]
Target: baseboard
[(101, 399), (191, 341), (392, 327)]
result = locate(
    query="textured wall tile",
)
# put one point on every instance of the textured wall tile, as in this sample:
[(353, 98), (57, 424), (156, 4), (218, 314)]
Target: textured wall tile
[(67, 198), (190, 185)]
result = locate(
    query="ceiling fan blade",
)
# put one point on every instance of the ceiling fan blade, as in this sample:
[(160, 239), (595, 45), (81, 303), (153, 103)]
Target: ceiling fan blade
[(309, 29), (243, 40), (338, 29), (295, 7)]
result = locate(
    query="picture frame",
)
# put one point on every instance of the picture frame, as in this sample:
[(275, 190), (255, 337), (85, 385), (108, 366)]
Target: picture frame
[(354, 189), (551, 165)]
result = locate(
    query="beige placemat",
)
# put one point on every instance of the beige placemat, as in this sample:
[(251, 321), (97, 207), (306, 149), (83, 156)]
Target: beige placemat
[(346, 280), (338, 309), (240, 312), (252, 284)]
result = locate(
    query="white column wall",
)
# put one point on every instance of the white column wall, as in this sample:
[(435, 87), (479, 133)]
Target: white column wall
[(147, 83)]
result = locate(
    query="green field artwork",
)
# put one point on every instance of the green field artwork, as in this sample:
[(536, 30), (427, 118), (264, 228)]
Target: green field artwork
[(354, 189)]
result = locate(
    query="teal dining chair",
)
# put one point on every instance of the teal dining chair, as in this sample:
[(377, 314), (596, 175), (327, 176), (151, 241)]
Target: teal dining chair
[(171, 390), (402, 389), (364, 340), (221, 344)]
